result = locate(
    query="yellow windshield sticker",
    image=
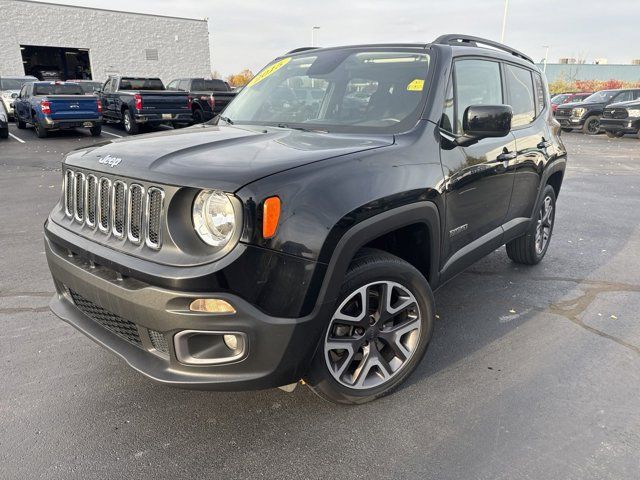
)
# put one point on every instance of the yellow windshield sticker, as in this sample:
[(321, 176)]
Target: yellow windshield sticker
[(271, 69), (416, 86)]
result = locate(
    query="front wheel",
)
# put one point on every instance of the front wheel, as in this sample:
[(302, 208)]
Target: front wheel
[(378, 333), (20, 124), (532, 246), (4, 133), (591, 125), (40, 130), (96, 130)]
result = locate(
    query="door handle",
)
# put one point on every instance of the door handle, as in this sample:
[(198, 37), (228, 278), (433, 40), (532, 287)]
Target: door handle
[(506, 156), (544, 144)]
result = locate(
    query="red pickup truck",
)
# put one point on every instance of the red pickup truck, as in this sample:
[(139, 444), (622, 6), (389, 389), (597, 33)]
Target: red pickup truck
[(563, 98)]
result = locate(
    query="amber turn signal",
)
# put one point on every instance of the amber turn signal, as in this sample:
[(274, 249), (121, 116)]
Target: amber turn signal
[(211, 305), (270, 216)]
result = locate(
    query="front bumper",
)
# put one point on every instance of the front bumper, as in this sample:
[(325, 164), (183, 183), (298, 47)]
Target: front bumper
[(571, 122), (7, 105), (278, 350), (627, 125)]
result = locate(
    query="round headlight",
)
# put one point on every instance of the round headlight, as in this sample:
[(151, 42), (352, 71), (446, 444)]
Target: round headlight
[(214, 218)]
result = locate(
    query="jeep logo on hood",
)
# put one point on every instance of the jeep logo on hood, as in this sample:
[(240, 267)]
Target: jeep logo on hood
[(109, 160)]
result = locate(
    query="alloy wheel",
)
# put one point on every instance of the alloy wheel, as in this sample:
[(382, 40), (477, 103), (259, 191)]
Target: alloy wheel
[(545, 224), (372, 335), (594, 126), (127, 123)]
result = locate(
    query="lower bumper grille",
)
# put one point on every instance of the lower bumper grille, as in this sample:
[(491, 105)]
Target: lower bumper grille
[(112, 322)]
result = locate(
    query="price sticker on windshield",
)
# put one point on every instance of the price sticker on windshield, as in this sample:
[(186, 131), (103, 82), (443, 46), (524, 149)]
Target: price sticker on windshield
[(269, 71), (416, 85)]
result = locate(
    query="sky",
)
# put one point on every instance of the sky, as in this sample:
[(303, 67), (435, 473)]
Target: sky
[(249, 33)]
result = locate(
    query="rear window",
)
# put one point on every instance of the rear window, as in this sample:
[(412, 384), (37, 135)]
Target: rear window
[(209, 85), (141, 84), (90, 87), (57, 89)]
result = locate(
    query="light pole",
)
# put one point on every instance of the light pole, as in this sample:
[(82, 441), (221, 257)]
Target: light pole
[(313, 35), (504, 20), (546, 56)]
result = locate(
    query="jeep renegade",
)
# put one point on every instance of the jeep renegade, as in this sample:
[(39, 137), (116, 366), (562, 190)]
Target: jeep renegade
[(300, 235)]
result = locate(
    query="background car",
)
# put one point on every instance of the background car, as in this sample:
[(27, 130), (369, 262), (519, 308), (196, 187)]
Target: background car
[(9, 89), (4, 122), (209, 97), (563, 98), (89, 87)]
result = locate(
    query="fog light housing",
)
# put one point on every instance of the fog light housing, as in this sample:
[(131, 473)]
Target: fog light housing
[(203, 347), (211, 305)]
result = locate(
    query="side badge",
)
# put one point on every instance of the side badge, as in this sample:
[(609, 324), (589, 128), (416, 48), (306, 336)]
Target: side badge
[(458, 230)]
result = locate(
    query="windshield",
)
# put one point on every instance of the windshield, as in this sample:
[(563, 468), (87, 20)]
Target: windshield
[(13, 83), (141, 84), (356, 91), (57, 89), (559, 99), (602, 96)]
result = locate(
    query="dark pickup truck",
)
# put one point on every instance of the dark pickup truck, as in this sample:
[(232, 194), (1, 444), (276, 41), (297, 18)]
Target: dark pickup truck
[(208, 97), (620, 118), (57, 105), (133, 101)]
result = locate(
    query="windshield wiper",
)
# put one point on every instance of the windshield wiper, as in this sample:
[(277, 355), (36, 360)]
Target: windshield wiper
[(227, 120), (302, 129)]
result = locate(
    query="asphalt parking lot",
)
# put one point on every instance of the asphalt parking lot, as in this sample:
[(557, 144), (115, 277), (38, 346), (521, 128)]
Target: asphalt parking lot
[(533, 373)]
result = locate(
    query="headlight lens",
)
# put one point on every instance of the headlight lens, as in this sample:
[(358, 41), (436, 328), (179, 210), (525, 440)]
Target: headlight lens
[(214, 218), (634, 112), (578, 112)]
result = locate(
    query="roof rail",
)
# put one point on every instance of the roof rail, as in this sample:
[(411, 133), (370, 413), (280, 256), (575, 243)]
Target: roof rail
[(301, 49), (470, 41)]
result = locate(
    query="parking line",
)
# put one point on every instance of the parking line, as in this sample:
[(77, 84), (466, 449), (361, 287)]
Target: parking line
[(16, 138), (112, 134)]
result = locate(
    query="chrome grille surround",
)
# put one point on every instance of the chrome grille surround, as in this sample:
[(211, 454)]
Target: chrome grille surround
[(154, 209), (118, 208), (78, 196), (135, 211), (130, 212), (104, 204), (90, 193)]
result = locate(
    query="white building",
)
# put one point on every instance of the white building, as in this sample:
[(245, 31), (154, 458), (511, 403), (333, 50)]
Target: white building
[(44, 39)]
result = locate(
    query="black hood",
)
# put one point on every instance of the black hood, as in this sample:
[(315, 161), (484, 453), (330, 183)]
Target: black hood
[(222, 157)]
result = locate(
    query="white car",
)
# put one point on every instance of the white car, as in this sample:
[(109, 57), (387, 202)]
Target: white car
[(10, 88)]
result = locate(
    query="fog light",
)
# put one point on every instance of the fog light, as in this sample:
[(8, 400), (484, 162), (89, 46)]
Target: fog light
[(231, 341), (211, 305)]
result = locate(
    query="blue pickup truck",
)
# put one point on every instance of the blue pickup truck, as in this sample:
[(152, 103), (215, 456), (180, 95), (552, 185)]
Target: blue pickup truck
[(57, 105)]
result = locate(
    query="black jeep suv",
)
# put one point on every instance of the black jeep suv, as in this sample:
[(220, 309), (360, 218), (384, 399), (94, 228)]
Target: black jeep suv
[(303, 239), (585, 115)]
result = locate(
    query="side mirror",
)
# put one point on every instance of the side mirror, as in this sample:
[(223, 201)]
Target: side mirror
[(485, 121)]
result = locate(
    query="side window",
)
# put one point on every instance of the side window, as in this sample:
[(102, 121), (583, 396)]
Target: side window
[(183, 85), (173, 85), (477, 82), (636, 94), (23, 92), (540, 94), (520, 87), (196, 86), (623, 97), (108, 87)]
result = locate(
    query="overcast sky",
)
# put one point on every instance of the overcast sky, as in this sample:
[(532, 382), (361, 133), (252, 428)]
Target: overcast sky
[(249, 33)]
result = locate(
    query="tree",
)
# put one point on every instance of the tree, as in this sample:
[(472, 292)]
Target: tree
[(240, 79)]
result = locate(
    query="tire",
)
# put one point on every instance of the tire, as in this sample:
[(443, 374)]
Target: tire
[(20, 124), (591, 125), (129, 123), (530, 248), (567, 130), (384, 337), (4, 133), (614, 134), (40, 130), (96, 130), (198, 116)]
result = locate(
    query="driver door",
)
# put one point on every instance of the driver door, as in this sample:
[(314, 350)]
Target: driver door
[(479, 178)]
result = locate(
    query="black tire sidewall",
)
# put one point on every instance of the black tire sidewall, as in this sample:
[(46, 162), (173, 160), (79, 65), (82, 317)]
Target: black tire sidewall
[(587, 122), (398, 271), (198, 116), (548, 191)]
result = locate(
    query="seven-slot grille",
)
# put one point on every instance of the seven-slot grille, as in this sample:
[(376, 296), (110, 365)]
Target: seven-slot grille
[(125, 210), (618, 113)]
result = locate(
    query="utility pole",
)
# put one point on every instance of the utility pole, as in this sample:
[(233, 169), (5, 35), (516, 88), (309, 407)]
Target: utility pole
[(313, 35), (504, 20)]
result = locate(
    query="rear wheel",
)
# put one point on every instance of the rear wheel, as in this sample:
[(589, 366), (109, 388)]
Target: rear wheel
[(130, 125), (614, 134), (198, 116), (378, 333), (531, 247), (591, 125), (20, 124), (96, 130), (40, 130)]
